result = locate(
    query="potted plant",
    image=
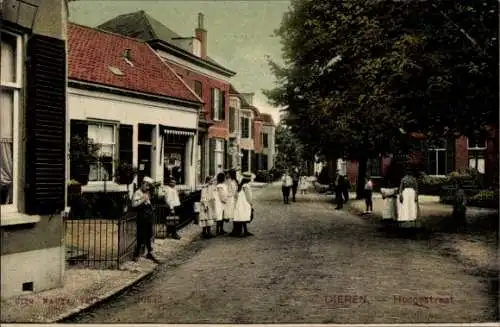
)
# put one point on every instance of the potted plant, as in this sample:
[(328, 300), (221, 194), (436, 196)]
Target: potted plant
[(83, 151)]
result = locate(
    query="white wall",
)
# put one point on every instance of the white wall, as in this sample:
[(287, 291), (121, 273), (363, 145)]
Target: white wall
[(85, 105)]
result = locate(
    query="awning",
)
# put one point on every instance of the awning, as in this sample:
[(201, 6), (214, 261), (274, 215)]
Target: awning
[(164, 130)]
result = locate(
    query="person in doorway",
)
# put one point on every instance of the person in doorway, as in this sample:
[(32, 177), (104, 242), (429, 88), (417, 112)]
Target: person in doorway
[(141, 202), (220, 202), (368, 195), (243, 209), (207, 203), (286, 185), (295, 182), (173, 202)]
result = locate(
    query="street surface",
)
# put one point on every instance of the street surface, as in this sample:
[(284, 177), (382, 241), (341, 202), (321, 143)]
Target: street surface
[(307, 263)]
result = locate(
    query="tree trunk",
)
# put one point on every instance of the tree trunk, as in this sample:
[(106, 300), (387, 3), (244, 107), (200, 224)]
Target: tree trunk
[(360, 183)]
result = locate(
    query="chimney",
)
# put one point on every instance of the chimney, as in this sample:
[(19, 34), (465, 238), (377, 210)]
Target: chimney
[(201, 35)]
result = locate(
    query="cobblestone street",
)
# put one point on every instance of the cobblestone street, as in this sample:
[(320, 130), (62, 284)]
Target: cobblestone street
[(307, 263)]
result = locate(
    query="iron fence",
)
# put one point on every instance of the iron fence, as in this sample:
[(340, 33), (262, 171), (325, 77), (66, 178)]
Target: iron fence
[(108, 241)]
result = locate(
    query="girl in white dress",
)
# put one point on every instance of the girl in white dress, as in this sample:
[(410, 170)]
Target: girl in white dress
[(220, 201), (232, 189), (303, 185), (243, 209), (207, 204)]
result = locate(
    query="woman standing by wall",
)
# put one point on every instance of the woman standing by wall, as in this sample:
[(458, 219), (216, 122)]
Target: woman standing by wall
[(243, 208)]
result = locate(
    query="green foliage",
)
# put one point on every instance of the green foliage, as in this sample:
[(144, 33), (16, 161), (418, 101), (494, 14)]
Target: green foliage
[(290, 151), (413, 66)]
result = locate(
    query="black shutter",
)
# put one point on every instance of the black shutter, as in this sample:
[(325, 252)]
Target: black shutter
[(125, 143), (212, 103), (211, 157), (222, 105), (45, 126), (77, 128), (232, 116)]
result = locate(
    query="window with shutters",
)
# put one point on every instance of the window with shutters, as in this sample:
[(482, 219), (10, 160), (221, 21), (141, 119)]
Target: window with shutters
[(476, 147), (219, 155), (374, 167), (10, 119), (198, 88), (104, 135), (437, 164)]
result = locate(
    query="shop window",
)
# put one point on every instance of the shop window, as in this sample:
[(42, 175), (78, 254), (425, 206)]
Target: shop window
[(105, 136)]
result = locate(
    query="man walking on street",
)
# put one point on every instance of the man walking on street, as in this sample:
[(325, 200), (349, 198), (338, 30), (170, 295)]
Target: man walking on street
[(295, 184), (339, 191), (141, 201)]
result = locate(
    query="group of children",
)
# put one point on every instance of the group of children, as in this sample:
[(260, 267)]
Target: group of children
[(224, 199), (293, 182)]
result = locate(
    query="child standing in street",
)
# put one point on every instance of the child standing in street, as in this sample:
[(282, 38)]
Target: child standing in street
[(368, 195), (207, 204), (303, 185), (286, 185)]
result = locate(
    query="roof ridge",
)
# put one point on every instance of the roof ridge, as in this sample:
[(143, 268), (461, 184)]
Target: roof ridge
[(107, 32), (147, 20)]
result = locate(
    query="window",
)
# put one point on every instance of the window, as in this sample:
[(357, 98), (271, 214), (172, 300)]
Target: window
[(219, 155), (245, 127), (374, 167), (174, 158), (437, 163), (264, 140), (104, 135), (232, 119), (216, 104), (198, 88), (11, 82), (476, 147)]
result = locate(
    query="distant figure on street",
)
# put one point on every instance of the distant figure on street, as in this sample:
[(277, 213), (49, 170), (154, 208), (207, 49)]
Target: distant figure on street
[(141, 201), (459, 205), (368, 195), (340, 187), (286, 185), (295, 182), (220, 202), (347, 188), (207, 208), (243, 209), (173, 202), (303, 184), (408, 209)]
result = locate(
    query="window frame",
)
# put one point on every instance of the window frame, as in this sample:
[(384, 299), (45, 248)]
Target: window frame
[(219, 152), (242, 127), (195, 83), (476, 153), (265, 136), (216, 104), (17, 120), (115, 151), (434, 151)]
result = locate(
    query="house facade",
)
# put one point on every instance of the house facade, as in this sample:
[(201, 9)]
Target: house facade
[(267, 148), (32, 144), (456, 154), (188, 56), (126, 99)]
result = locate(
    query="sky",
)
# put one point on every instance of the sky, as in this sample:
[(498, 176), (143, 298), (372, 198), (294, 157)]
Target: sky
[(240, 33)]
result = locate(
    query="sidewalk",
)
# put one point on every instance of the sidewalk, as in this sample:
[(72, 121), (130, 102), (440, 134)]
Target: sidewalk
[(476, 250), (84, 288)]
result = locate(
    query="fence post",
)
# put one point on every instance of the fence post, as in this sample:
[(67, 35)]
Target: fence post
[(118, 257)]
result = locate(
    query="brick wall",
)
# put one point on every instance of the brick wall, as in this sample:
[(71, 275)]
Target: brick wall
[(461, 153), (352, 171), (220, 129), (256, 129), (492, 158)]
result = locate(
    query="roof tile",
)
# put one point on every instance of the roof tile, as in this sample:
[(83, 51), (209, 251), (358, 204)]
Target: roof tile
[(91, 52)]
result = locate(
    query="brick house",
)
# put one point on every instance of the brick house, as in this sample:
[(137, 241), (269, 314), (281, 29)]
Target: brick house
[(32, 144), (266, 155), (457, 154), (127, 99), (188, 56)]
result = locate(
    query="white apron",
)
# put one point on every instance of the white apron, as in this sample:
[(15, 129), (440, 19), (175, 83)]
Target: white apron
[(243, 209), (390, 207), (408, 210), (232, 188), (207, 204), (219, 206)]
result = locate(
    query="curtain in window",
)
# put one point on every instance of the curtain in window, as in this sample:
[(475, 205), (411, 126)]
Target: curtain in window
[(6, 147), (103, 135)]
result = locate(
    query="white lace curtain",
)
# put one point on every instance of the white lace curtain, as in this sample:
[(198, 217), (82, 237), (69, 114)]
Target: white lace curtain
[(6, 146)]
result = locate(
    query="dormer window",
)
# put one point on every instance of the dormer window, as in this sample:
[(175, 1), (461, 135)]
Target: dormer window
[(128, 57)]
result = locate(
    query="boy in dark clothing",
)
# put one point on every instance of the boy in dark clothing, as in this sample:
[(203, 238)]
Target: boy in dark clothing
[(339, 191), (295, 185)]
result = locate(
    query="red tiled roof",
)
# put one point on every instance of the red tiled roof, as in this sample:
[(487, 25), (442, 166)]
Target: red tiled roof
[(91, 52)]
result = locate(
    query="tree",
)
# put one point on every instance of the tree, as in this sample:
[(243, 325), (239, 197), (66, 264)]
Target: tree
[(289, 149), (360, 76)]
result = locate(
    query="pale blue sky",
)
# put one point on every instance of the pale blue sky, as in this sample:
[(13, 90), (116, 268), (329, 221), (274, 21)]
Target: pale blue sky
[(239, 32)]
